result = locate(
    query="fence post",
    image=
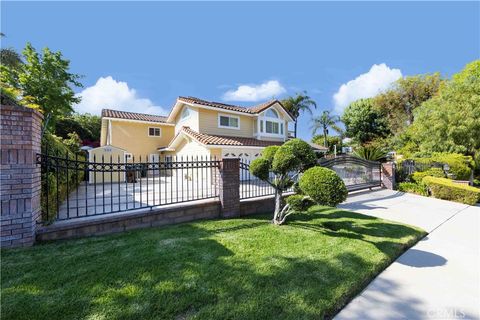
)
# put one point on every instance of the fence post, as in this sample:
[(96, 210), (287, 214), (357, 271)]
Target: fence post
[(20, 179), (388, 175), (229, 187)]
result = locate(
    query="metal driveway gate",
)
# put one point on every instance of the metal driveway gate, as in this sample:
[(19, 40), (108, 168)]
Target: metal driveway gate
[(356, 173)]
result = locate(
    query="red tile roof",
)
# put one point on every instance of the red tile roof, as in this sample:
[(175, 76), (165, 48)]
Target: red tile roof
[(210, 140), (109, 113), (250, 110), (132, 116)]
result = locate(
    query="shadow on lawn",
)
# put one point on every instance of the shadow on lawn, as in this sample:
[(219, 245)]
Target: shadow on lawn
[(185, 271), (347, 224)]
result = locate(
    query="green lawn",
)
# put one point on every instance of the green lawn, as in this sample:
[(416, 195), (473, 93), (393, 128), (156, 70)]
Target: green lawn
[(222, 269)]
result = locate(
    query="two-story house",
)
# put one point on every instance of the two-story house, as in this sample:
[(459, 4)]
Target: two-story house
[(195, 127)]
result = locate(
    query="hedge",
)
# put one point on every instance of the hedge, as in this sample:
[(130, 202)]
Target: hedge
[(446, 189), (433, 172), (460, 165), (411, 187), (56, 146)]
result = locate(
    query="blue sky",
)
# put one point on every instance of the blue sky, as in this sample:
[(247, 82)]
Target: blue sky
[(140, 56)]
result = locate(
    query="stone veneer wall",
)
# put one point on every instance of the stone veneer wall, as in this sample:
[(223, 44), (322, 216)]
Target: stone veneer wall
[(20, 183), (199, 210)]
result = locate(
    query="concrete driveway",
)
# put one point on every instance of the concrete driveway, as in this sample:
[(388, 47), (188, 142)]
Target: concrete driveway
[(439, 278)]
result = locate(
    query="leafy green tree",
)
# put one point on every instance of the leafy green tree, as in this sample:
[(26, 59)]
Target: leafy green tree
[(9, 57), (323, 122), (73, 142), (46, 81), (87, 126), (363, 122), (450, 121), (332, 141), (279, 166), (399, 103), (298, 104), (371, 153)]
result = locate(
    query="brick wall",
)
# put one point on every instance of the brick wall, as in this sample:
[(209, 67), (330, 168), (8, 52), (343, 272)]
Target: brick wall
[(388, 175), (20, 184), (229, 187)]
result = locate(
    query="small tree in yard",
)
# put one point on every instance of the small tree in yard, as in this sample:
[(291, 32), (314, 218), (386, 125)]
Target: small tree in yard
[(285, 163)]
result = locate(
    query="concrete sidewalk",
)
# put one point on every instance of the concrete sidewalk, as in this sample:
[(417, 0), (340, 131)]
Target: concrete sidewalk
[(439, 278)]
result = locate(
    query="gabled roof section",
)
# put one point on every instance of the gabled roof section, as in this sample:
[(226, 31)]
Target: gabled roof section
[(252, 110), (109, 113), (214, 140)]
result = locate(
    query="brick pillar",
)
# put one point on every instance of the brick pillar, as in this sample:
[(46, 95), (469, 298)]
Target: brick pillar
[(388, 175), (20, 183), (229, 187)]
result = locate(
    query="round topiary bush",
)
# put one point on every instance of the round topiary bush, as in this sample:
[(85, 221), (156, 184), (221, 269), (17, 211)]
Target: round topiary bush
[(324, 186)]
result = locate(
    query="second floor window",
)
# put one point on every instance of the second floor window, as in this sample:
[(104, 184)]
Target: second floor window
[(185, 114), (272, 127), (228, 122), (154, 132)]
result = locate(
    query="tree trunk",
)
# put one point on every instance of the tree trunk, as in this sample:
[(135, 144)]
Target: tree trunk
[(278, 207), (295, 129)]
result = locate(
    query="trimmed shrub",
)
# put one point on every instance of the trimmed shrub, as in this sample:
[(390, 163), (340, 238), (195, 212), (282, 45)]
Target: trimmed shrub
[(324, 186), (269, 152), (260, 167), (446, 189), (433, 172), (460, 165), (294, 153), (411, 187), (299, 203)]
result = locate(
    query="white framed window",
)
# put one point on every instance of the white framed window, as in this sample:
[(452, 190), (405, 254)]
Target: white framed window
[(128, 156), (271, 114), (228, 121), (272, 127), (154, 132), (185, 114)]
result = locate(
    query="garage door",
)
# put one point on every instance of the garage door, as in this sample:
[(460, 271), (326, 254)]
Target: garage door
[(246, 156)]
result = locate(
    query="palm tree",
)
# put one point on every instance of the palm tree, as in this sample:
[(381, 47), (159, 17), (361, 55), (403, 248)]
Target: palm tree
[(300, 103), (325, 121), (9, 57)]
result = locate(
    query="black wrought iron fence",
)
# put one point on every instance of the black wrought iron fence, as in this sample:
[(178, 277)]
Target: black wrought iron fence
[(74, 188), (356, 173), (251, 186), (405, 168)]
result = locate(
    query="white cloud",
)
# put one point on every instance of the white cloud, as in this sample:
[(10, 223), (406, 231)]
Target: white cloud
[(109, 93), (262, 91), (366, 85)]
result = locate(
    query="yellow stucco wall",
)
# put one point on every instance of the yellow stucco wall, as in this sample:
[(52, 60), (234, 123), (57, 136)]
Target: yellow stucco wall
[(134, 138), (103, 132), (191, 121), (191, 148), (208, 123)]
